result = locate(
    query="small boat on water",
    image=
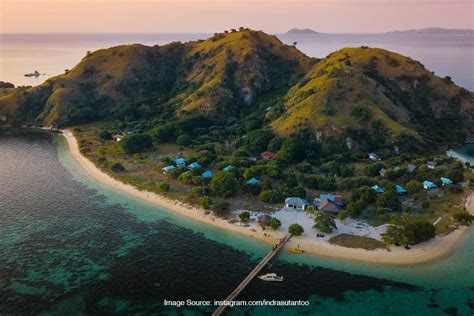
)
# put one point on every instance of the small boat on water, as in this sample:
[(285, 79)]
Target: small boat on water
[(295, 250), (271, 277)]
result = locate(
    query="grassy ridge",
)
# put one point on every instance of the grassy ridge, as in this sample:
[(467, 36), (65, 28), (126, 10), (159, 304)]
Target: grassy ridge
[(360, 93)]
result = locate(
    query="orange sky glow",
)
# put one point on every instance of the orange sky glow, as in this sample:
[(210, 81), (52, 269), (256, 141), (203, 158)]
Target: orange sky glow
[(198, 16)]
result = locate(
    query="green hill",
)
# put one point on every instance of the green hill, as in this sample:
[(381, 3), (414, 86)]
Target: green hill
[(359, 91), (362, 93)]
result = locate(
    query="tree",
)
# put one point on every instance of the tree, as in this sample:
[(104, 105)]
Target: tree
[(184, 140), (164, 133), (389, 199), (105, 135), (355, 208), (456, 174), (310, 209), (324, 222), (223, 184), (419, 230), (295, 230), (274, 223), (206, 202), (244, 216), (463, 217), (414, 186), (136, 143), (394, 234), (270, 196)]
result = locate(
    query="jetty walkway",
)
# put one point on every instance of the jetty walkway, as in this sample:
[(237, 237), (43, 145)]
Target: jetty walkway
[(252, 275)]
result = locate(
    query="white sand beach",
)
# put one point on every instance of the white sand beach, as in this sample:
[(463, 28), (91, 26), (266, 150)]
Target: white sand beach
[(431, 250)]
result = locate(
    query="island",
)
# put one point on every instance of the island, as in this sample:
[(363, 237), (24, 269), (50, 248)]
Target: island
[(434, 31), (302, 32), (240, 131)]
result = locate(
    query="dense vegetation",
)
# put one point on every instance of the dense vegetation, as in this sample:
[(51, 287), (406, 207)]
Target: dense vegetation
[(223, 101)]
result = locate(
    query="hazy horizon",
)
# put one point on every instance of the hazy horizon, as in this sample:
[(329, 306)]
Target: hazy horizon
[(209, 16), (210, 33)]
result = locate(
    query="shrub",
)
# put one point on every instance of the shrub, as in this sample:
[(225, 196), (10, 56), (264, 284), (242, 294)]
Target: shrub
[(414, 186), (342, 215), (206, 202), (163, 187), (463, 218), (220, 206), (117, 167), (244, 216)]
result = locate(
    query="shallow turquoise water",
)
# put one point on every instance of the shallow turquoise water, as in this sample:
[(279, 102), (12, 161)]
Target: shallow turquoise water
[(71, 245)]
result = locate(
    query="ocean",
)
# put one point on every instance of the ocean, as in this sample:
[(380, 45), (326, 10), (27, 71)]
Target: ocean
[(51, 54), (69, 245)]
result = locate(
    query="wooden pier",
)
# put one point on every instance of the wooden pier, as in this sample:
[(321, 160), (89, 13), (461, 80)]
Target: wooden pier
[(251, 275)]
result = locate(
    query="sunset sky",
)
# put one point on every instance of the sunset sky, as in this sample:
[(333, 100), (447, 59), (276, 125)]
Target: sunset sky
[(275, 16)]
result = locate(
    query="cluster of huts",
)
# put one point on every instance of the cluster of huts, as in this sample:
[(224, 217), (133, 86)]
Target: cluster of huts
[(181, 163), (324, 202)]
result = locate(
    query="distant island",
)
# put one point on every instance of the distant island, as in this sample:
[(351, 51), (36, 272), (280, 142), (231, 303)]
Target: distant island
[(435, 31), (302, 32)]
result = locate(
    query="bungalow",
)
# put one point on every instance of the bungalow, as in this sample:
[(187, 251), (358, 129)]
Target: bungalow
[(118, 137), (168, 168), (374, 157), (411, 168), (228, 168), (329, 206), (207, 174), (267, 155), (431, 164), (377, 188), (296, 203), (253, 181), (382, 172), (194, 165), (428, 185), (400, 190), (180, 162), (337, 199), (446, 181)]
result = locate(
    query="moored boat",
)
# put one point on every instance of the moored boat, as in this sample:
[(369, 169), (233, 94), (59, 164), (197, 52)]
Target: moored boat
[(295, 250), (271, 277)]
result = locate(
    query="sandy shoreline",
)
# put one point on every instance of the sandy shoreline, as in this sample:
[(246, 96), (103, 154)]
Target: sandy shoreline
[(433, 249)]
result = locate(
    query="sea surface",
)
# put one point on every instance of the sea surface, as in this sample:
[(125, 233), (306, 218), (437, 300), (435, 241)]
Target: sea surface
[(51, 54), (70, 246)]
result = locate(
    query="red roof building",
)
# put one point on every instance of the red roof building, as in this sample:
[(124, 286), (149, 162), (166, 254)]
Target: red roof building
[(268, 155)]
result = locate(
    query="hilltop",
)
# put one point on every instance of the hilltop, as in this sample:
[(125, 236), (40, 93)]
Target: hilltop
[(376, 97)]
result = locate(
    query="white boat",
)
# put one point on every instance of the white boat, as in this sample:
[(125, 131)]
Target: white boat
[(271, 277)]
